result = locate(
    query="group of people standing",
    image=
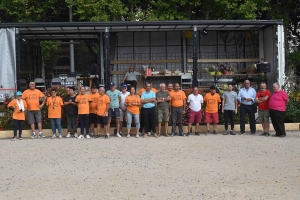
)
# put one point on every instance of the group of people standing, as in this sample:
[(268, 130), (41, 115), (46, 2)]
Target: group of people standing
[(99, 107)]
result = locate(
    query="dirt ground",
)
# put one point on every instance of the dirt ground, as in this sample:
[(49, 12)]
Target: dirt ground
[(195, 167)]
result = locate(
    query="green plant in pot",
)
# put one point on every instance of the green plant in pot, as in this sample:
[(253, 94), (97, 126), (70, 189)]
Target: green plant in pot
[(211, 70)]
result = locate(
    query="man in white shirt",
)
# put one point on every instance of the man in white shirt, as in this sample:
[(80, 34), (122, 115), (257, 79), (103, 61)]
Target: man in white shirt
[(123, 108), (195, 102)]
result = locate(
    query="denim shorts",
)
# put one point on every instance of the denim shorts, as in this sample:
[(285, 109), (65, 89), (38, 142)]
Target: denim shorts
[(113, 113)]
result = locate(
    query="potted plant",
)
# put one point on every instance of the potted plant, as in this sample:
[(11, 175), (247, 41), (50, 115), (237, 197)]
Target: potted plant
[(252, 69), (228, 70), (211, 70), (220, 70)]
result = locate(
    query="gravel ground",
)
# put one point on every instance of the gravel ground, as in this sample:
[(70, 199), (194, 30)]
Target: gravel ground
[(194, 167)]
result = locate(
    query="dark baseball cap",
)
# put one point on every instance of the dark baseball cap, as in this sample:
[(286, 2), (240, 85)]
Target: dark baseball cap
[(112, 84), (94, 87)]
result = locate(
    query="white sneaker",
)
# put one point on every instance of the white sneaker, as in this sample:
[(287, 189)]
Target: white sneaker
[(69, 135), (80, 136), (60, 136), (149, 133), (128, 136), (137, 136), (118, 134), (76, 135), (53, 136), (88, 137)]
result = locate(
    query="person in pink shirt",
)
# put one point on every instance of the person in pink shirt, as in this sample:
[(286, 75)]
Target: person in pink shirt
[(277, 107)]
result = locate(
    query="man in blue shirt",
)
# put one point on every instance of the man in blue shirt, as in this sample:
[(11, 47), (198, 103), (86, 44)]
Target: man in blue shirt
[(114, 109), (148, 101), (246, 97)]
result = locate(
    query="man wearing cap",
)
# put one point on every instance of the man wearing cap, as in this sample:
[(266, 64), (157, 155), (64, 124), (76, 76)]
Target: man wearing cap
[(246, 97), (32, 97), (124, 94), (130, 77), (178, 104), (93, 117), (18, 106), (71, 111), (212, 101), (114, 109)]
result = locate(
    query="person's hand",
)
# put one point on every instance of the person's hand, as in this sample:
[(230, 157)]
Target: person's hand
[(183, 111), (95, 112), (235, 111), (249, 99), (41, 106), (222, 110), (243, 98)]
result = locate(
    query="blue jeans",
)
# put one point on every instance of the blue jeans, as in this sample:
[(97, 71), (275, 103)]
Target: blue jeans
[(84, 123), (129, 119), (56, 123)]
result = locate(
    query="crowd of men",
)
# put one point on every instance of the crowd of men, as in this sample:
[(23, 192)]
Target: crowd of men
[(99, 107)]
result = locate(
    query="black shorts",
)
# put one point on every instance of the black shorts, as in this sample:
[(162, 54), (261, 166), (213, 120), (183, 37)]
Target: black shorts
[(92, 118), (102, 120)]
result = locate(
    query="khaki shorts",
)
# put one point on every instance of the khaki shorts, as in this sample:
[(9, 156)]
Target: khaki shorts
[(263, 116), (122, 115), (163, 115)]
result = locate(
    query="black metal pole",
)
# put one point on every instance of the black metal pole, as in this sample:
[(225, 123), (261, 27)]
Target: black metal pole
[(99, 61), (195, 57), (18, 60), (106, 60)]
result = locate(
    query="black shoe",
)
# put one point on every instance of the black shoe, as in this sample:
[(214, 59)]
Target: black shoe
[(267, 134), (181, 134), (187, 134), (207, 132), (283, 136), (276, 135), (106, 136), (263, 134), (242, 132), (173, 134), (197, 133), (215, 132), (232, 133), (226, 133)]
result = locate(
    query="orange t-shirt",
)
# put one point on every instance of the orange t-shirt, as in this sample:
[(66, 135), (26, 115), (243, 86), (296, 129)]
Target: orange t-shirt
[(133, 99), (54, 107), (177, 98), (143, 90), (32, 98), (83, 104), (102, 104), (94, 99), (16, 114), (212, 102)]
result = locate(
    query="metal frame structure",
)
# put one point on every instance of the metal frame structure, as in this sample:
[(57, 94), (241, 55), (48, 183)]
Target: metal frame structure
[(100, 30)]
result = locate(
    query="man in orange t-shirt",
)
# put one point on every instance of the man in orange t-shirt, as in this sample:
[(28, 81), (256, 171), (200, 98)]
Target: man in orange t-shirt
[(18, 106), (83, 103), (93, 117), (101, 111), (178, 104), (212, 101), (32, 97), (55, 104)]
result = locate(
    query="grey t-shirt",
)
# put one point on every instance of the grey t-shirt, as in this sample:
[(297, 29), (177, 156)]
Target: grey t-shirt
[(131, 76), (161, 94), (230, 98)]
